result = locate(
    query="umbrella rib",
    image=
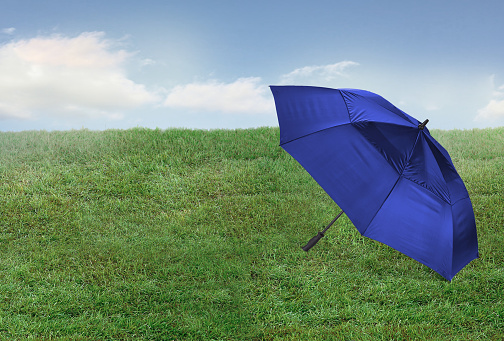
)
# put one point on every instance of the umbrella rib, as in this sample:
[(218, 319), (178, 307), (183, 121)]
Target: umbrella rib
[(378, 210), (398, 178), (346, 105), (333, 126), (403, 114), (315, 132), (416, 182)]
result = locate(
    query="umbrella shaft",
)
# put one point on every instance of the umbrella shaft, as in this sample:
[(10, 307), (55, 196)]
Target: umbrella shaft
[(332, 222)]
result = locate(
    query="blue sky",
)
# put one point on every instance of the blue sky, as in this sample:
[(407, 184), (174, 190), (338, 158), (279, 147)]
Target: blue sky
[(207, 64)]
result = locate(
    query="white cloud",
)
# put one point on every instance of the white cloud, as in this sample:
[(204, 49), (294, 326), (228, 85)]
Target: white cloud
[(432, 107), (494, 110), (66, 77), (147, 62), (318, 72), (245, 95), (8, 30)]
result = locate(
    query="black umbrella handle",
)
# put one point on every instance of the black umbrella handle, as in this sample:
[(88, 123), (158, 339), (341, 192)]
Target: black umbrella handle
[(312, 242), (319, 235)]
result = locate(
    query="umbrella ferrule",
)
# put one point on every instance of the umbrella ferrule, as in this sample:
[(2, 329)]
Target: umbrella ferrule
[(422, 125)]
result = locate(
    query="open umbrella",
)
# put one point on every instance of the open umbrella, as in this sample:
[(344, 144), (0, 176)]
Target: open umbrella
[(382, 167)]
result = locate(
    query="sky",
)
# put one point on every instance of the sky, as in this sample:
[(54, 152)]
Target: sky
[(203, 64)]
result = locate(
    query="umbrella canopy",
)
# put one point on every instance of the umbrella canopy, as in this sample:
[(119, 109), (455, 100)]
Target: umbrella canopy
[(382, 167)]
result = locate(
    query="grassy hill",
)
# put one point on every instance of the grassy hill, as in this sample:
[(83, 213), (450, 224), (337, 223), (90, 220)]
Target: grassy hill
[(195, 235)]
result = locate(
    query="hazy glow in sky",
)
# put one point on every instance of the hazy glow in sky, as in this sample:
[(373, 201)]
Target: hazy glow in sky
[(207, 64)]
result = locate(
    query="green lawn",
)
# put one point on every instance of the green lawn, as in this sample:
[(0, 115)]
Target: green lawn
[(195, 235)]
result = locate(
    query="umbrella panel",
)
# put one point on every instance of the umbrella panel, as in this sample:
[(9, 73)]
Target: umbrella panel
[(394, 142), (418, 223), (465, 237), (349, 168)]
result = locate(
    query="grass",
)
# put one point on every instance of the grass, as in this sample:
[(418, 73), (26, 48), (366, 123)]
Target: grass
[(195, 235)]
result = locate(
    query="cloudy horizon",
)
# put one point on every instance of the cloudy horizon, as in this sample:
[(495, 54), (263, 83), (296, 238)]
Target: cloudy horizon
[(80, 75)]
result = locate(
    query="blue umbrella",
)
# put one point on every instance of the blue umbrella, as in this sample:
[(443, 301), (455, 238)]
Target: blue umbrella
[(382, 167)]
